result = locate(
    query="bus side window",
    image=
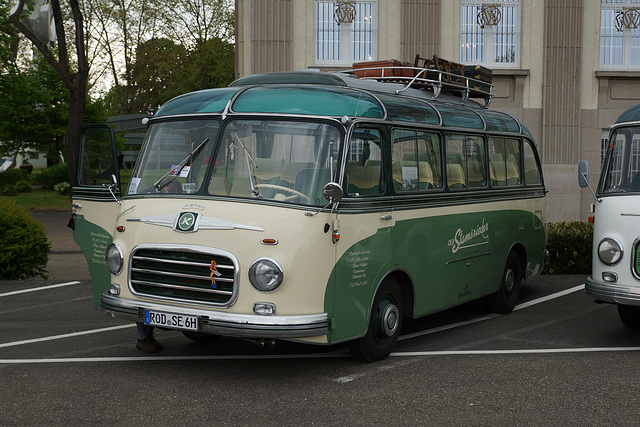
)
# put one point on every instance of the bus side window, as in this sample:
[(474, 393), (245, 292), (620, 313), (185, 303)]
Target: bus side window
[(465, 162), (416, 161), (363, 175), (504, 161), (531, 168)]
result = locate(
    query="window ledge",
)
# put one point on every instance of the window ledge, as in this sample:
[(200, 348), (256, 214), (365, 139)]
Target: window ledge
[(508, 72), (619, 73)]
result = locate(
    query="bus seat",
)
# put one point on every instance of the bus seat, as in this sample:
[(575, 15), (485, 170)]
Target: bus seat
[(290, 170), (268, 170), (364, 180), (513, 171), (531, 175), (455, 176), (496, 162), (453, 159), (373, 163), (411, 156), (311, 182), (475, 174)]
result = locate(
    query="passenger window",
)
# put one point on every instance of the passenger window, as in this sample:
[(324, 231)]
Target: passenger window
[(504, 161), (465, 162), (363, 176), (416, 161), (532, 174)]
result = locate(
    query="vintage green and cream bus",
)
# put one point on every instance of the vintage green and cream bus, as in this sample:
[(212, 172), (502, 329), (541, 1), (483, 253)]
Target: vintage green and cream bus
[(315, 207), (615, 275)]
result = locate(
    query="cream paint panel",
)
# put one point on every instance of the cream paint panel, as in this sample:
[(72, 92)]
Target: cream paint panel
[(305, 253), (357, 227), (101, 214)]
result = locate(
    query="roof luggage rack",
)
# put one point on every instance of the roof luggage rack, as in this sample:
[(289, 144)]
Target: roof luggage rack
[(437, 76)]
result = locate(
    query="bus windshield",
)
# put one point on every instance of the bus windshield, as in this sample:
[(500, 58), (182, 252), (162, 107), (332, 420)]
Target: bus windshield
[(622, 170), (287, 161)]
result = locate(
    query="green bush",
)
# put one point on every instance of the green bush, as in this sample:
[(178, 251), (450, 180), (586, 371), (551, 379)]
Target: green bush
[(570, 244), (23, 186), (25, 248), (53, 175), (63, 188), (12, 176)]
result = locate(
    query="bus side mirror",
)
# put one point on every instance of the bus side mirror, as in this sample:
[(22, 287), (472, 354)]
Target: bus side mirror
[(583, 174), (332, 192)]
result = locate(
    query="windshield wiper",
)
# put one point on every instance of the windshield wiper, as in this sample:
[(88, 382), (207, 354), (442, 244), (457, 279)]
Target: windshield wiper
[(159, 185), (254, 188)]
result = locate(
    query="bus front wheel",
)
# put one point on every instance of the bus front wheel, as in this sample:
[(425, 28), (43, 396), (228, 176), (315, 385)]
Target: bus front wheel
[(506, 298), (385, 321), (630, 315)]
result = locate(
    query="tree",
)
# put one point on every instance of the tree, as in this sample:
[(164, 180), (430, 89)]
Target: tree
[(72, 72)]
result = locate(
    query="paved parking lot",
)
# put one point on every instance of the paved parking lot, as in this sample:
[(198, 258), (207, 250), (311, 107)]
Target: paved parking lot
[(558, 359)]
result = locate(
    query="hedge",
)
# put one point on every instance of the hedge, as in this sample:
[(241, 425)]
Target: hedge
[(570, 245), (25, 248)]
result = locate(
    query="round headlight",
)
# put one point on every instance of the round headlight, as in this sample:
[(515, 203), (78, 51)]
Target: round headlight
[(265, 274), (610, 251), (115, 259)]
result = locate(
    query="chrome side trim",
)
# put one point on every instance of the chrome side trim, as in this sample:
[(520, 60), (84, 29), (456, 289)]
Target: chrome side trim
[(613, 292), (229, 324)]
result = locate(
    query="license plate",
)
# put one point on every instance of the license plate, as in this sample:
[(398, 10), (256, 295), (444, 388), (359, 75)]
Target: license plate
[(169, 320)]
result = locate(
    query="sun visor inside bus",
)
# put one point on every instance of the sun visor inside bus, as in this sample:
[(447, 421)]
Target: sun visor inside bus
[(206, 101), (321, 101)]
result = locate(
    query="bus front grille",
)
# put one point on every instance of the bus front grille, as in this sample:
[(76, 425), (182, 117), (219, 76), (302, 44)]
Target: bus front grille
[(185, 274)]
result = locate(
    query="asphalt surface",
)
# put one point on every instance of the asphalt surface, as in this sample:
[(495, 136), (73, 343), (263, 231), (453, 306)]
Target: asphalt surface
[(559, 359)]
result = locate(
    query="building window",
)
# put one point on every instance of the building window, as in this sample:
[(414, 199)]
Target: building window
[(619, 33), (490, 33), (345, 43)]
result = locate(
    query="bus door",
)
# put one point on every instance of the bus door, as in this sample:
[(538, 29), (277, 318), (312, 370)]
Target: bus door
[(365, 224), (95, 201), (468, 227)]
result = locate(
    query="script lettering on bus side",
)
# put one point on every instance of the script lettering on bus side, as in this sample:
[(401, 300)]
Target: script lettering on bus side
[(99, 243), (359, 261), (474, 237)]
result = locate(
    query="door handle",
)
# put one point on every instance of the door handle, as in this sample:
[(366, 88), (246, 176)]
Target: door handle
[(386, 217)]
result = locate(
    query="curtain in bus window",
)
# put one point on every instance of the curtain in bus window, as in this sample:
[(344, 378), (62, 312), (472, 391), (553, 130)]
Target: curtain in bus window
[(504, 161), (416, 161), (465, 162), (363, 175)]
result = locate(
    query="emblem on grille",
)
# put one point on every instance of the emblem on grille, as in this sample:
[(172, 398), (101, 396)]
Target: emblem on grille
[(214, 273), (186, 222)]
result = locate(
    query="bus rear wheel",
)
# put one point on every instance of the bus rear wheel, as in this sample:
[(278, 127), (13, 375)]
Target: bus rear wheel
[(384, 326), (506, 298), (630, 315)]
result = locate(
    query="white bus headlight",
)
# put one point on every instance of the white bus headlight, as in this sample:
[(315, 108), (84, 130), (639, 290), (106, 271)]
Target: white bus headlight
[(115, 259), (610, 251), (265, 274)]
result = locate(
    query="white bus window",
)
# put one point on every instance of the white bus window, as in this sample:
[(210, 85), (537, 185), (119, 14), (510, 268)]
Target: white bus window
[(622, 168), (416, 161), (504, 161), (465, 162), (363, 176)]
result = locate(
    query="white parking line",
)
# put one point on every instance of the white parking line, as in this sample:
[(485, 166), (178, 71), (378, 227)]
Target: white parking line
[(42, 288), (73, 334)]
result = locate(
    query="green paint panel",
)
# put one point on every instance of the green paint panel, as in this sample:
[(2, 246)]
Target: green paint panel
[(451, 259), (93, 241)]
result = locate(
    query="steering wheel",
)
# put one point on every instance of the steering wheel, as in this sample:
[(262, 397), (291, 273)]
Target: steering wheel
[(295, 193)]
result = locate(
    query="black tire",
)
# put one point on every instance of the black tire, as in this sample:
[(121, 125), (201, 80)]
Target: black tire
[(630, 315), (385, 321), (200, 336), (506, 298)]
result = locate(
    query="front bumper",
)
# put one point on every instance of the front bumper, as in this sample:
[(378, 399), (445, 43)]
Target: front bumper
[(228, 324), (613, 292)]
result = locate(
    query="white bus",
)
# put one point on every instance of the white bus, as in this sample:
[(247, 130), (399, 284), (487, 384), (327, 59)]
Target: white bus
[(615, 276), (316, 207)]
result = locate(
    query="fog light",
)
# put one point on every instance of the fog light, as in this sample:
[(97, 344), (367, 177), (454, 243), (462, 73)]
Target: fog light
[(610, 277), (114, 289), (264, 308)]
